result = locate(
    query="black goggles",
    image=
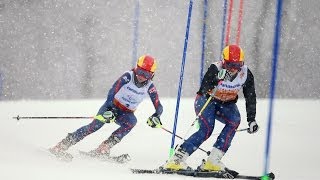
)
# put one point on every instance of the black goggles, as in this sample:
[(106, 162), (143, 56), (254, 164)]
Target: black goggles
[(144, 73), (233, 65)]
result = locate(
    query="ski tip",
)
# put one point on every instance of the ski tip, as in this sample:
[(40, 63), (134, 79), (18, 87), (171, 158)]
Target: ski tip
[(271, 175), (145, 171)]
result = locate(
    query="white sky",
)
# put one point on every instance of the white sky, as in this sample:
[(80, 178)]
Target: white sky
[(294, 148)]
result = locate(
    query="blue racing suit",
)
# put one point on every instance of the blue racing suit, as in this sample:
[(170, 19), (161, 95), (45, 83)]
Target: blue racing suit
[(221, 107), (125, 117)]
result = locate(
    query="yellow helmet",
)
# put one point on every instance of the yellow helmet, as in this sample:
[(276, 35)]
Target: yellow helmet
[(233, 57), (146, 66), (147, 62)]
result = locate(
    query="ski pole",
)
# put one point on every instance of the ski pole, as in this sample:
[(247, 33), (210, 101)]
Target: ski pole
[(203, 108), (238, 130), (207, 152), (196, 119), (208, 101), (52, 117)]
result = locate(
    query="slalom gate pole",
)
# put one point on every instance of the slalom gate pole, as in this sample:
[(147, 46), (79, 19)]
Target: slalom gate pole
[(229, 22), (52, 117), (204, 29), (207, 152), (223, 24), (181, 78), (1, 84), (135, 32), (276, 45), (239, 22)]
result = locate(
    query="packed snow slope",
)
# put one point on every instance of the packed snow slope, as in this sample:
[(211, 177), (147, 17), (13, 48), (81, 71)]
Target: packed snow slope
[(294, 150)]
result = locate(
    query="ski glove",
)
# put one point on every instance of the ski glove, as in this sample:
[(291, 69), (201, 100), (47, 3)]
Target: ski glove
[(253, 127), (107, 117), (154, 121), (224, 75)]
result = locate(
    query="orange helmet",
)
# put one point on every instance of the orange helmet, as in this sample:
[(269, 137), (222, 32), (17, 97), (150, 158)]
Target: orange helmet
[(233, 57), (146, 66), (147, 62)]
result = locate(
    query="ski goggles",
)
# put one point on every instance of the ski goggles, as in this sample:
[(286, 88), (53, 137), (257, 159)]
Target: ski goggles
[(144, 73), (233, 65)]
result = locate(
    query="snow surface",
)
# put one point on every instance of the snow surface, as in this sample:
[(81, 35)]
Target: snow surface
[(294, 148)]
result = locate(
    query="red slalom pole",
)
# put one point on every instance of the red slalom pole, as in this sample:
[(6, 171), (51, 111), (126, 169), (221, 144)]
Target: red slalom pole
[(229, 22), (239, 22)]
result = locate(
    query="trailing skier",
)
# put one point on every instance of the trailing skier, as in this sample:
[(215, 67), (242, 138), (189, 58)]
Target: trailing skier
[(122, 100)]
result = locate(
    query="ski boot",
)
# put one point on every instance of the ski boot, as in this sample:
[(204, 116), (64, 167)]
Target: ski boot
[(214, 165), (103, 151), (60, 149), (177, 162)]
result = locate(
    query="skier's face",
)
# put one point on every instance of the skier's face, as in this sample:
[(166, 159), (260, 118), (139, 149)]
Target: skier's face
[(141, 79), (233, 71), (232, 67), (143, 75)]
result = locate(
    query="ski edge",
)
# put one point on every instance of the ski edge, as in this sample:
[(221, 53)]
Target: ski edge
[(194, 173), (270, 176), (114, 159)]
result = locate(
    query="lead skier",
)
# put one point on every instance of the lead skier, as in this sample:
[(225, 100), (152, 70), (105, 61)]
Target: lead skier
[(222, 81)]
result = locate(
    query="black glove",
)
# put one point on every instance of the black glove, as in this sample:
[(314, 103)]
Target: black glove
[(253, 126), (154, 121), (224, 75)]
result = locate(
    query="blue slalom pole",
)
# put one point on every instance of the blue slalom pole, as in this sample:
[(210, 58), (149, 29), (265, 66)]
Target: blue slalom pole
[(204, 29), (273, 82), (224, 17), (1, 85), (135, 32), (181, 79)]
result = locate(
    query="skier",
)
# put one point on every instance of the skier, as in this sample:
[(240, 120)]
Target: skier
[(123, 99), (222, 82)]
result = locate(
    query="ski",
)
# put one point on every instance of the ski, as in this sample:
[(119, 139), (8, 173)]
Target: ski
[(227, 175), (123, 158), (195, 173), (162, 171)]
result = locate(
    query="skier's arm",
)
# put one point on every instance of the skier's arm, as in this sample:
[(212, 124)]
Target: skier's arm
[(209, 81), (249, 93), (153, 93), (154, 120)]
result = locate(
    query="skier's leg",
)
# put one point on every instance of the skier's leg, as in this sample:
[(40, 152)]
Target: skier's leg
[(230, 116), (206, 122), (78, 135), (127, 121)]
